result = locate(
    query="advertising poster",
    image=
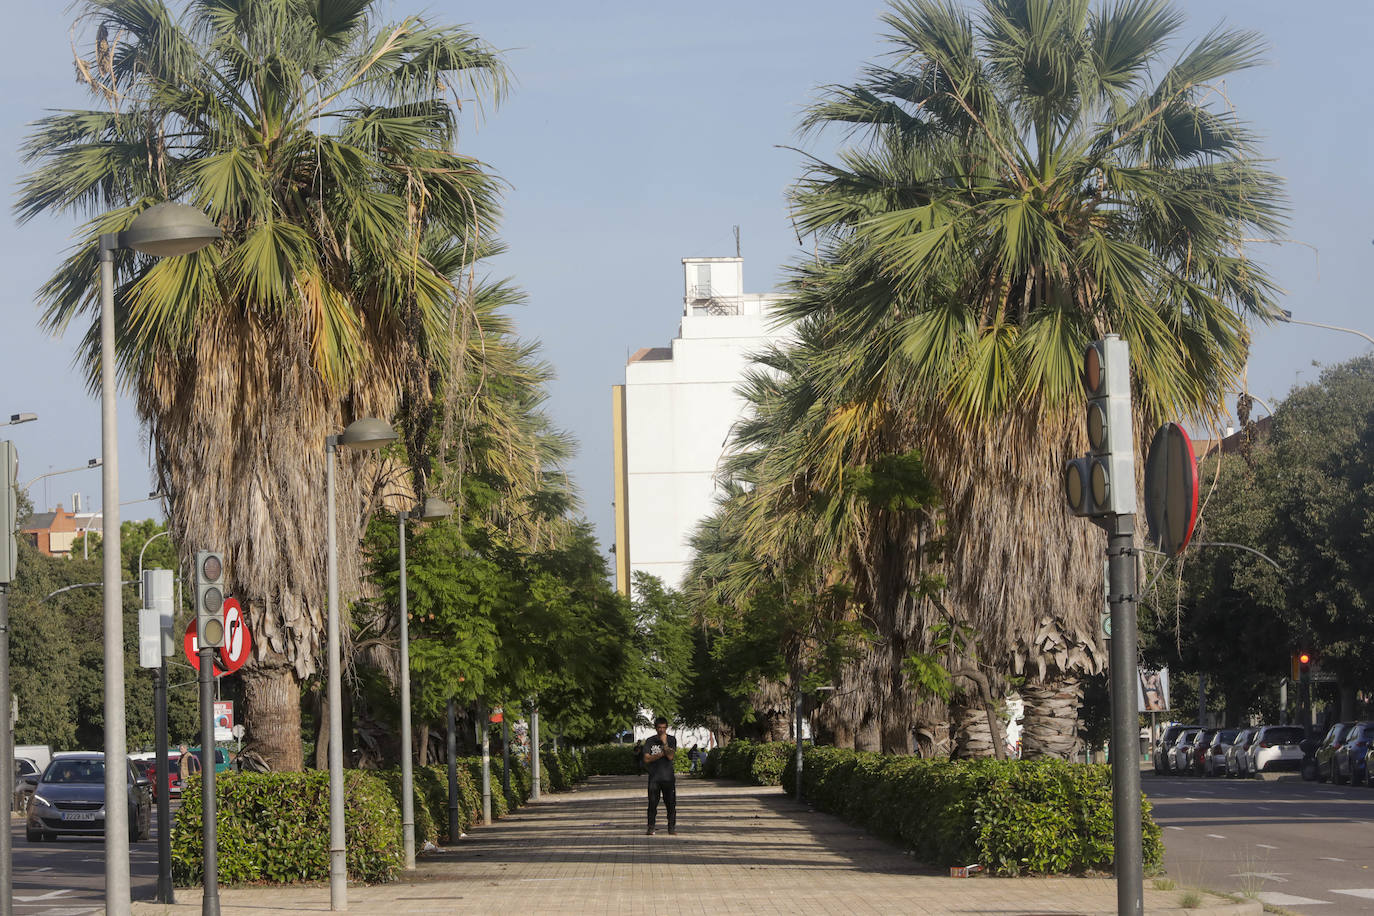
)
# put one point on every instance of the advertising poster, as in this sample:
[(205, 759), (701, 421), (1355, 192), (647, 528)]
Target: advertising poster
[(224, 720), (1154, 690)]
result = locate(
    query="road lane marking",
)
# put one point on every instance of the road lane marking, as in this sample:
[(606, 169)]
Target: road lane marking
[(1215, 836), (1330, 859), (1276, 899), (1265, 846), (1171, 827), (1266, 875), (1365, 892), (48, 896)]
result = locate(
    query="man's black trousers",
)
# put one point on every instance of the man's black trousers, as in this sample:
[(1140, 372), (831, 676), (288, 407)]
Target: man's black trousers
[(668, 789)]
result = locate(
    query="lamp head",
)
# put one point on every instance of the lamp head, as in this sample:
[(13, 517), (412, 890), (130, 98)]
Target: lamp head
[(366, 434), (169, 228), (21, 418), (433, 509)]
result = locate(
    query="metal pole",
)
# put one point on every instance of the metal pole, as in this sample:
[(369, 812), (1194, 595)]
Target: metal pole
[(453, 828), (407, 774), (797, 728), (117, 893), (505, 755), (6, 744), (209, 902), (164, 893), (1121, 562), (484, 734), (338, 865), (534, 750)]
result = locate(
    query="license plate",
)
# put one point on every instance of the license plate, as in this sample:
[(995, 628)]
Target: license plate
[(78, 815)]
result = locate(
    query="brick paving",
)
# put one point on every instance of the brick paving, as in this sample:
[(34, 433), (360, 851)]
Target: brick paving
[(739, 849)]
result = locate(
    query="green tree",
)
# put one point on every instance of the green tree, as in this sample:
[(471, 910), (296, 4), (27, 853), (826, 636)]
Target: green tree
[(322, 140), (1023, 179)]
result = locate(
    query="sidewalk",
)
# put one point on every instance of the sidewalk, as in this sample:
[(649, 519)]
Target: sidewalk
[(739, 849)]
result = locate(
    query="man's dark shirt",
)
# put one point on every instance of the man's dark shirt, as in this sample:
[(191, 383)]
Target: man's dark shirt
[(660, 768)]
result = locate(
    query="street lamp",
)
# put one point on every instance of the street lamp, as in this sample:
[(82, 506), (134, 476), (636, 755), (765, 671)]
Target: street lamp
[(431, 510), (17, 418), (163, 230), (1287, 318), (365, 434), (90, 463)]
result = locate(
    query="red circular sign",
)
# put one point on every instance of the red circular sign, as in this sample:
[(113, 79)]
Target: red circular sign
[(238, 644), (1171, 487)]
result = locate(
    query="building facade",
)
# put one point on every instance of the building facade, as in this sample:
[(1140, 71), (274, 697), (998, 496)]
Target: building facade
[(674, 416)]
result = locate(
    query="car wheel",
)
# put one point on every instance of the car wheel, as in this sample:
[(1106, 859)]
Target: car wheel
[(1335, 773), (34, 836)]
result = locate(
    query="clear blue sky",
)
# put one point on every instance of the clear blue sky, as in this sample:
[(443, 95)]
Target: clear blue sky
[(639, 134)]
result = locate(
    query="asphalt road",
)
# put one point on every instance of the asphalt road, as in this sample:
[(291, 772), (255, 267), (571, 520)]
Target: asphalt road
[(1307, 847), (67, 877)]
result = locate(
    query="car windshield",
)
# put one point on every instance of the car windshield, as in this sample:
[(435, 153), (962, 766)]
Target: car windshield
[(66, 772), (1288, 735), (1226, 736)]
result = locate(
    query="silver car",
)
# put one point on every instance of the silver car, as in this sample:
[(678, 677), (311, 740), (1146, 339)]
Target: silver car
[(1237, 756), (70, 798), (1275, 747)]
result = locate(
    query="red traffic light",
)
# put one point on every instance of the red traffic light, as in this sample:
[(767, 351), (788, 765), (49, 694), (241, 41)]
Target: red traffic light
[(1304, 658)]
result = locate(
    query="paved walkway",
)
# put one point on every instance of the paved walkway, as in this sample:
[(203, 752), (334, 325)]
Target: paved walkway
[(739, 849)]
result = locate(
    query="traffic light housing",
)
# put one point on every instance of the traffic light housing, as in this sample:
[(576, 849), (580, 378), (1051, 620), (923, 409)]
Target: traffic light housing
[(9, 512), (209, 599), (1102, 482), (1304, 666)]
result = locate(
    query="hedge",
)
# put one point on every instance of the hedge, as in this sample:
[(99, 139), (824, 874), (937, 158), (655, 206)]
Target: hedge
[(619, 760), (1040, 816), (269, 828), (751, 761)]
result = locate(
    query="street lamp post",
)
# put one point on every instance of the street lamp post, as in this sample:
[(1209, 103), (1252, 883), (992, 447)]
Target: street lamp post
[(17, 418), (1287, 318), (365, 434), (163, 230), (430, 510)]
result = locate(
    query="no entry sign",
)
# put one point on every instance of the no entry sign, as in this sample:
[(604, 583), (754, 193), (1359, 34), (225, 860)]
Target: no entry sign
[(238, 644)]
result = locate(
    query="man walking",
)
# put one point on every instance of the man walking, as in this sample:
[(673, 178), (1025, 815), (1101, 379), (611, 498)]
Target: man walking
[(658, 755)]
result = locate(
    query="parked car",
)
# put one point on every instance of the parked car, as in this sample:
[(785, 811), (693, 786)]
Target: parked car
[(1275, 747), (1214, 752), (1325, 754), (70, 798), (1163, 749), (25, 775), (1236, 757), (1183, 751), (1349, 759), (173, 775), (1195, 756)]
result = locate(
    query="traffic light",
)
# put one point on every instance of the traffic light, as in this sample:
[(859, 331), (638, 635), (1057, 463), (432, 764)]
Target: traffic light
[(1103, 481), (209, 599), (1304, 666), (9, 512)]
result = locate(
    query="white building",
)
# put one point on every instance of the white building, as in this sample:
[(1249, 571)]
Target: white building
[(674, 416)]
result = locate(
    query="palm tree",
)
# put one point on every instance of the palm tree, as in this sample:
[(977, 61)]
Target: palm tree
[(1022, 182), (323, 143)]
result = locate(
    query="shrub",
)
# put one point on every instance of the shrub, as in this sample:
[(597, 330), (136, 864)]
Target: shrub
[(426, 830), (499, 803), (573, 764), (1017, 816), (610, 760), (712, 767), (269, 828), (750, 761), (433, 782)]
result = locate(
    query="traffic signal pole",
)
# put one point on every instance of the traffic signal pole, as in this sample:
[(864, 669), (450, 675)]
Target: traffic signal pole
[(1129, 852), (209, 904)]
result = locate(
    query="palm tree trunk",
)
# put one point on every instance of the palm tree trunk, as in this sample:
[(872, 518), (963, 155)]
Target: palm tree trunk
[(1051, 717), (272, 710)]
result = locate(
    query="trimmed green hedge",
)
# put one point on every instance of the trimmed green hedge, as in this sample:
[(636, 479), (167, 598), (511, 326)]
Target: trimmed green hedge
[(751, 761), (269, 828), (712, 766), (1017, 816), (619, 760)]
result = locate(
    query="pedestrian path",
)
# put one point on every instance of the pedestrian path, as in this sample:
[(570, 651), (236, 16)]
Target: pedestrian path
[(739, 849)]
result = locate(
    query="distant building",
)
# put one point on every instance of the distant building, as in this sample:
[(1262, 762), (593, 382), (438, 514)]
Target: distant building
[(54, 533), (675, 414)]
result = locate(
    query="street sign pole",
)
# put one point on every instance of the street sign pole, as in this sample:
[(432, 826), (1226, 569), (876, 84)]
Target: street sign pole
[(1121, 559), (209, 905), (6, 749), (164, 893), (453, 828)]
